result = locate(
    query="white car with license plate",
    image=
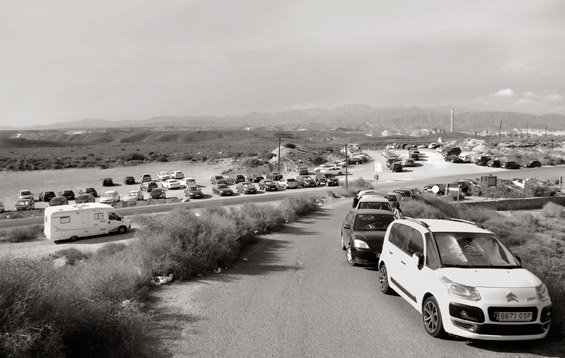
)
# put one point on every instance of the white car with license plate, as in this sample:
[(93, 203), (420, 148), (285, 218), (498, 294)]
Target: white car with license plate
[(134, 195), (463, 281)]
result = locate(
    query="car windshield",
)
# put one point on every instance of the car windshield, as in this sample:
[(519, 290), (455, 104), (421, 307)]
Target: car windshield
[(474, 250), (25, 192), (372, 222), (222, 186), (108, 195)]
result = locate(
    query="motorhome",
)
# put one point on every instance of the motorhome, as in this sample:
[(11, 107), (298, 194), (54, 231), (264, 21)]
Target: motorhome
[(66, 222), (466, 157)]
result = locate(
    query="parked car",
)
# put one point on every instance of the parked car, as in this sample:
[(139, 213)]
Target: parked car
[(163, 176), (396, 167), (171, 184), (158, 193), (25, 194), (429, 188), (482, 160), (91, 191), (335, 170), (254, 178), (221, 189), (511, 165), (320, 179), (68, 193), (408, 162), (463, 281), (406, 193), (187, 181), (145, 177), (236, 178), (303, 171), (134, 195), (331, 180), (25, 204), (394, 200), (374, 202), (288, 183), (58, 200), (45, 196), (268, 185), (177, 174), (1, 207), (495, 163), (274, 176), (305, 181), (533, 164), (148, 186), (85, 198), (246, 188), (107, 182), (354, 160), (129, 180), (362, 235), (110, 197), (193, 192), (215, 178)]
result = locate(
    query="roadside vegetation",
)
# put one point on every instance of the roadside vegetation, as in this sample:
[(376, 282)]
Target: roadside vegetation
[(74, 304), (21, 234), (538, 239)]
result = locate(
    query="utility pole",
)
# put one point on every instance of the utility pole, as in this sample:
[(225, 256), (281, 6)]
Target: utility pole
[(527, 133), (279, 158), (499, 132), (346, 160)]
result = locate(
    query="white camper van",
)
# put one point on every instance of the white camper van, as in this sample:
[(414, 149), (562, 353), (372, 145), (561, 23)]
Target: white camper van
[(66, 222)]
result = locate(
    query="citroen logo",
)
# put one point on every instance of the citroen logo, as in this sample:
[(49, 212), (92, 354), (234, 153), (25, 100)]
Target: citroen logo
[(511, 297)]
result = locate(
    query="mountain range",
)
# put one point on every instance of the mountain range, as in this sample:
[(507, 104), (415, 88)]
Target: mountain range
[(358, 118)]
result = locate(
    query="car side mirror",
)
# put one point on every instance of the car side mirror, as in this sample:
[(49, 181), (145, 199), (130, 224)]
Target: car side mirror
[(519, 260), (418, 260), (346, 226)]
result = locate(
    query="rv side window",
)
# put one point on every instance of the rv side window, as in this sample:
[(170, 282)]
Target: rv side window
[(65, 219), (98, 216)]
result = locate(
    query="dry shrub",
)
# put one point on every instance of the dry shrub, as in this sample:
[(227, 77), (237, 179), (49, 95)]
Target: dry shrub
[(354, 187), (21, 234), (419, 209), (552, 210), (444, 205), (46, 312)]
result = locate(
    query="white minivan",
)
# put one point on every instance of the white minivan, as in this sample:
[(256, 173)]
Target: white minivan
[(463, 281)]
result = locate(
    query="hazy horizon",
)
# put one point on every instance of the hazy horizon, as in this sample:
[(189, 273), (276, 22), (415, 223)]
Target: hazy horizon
[(66, 61)]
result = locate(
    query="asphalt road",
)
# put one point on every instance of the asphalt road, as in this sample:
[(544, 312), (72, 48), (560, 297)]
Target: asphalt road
[(296, 296)]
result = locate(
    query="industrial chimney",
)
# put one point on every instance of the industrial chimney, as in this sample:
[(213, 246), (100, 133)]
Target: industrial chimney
[(452, 112)]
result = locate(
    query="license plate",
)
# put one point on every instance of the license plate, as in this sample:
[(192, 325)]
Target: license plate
[(513, 316)]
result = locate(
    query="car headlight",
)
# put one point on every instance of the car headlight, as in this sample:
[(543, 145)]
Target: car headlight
[(360, 244), (462, 291), (542, 293)]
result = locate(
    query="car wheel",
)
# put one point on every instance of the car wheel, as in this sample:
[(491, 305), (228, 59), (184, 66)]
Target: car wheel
[(122, 230), (73, 238), (342, 243), (431, 316), (383, 280), (349, 256)]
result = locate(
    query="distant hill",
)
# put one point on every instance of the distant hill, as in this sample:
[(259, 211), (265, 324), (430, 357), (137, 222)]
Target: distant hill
[(356, 118)]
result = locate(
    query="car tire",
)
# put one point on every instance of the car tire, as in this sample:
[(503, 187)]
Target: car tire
[(343, 243), (383, 280), (349, 256), (431, 317), (73, 238), (122, 230)]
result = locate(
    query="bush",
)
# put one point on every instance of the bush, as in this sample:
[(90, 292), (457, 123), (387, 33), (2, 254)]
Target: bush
[(47, 312), (354, 187), (133, 156), (21, 234), (251, 163), (552, 210), (289, 145)]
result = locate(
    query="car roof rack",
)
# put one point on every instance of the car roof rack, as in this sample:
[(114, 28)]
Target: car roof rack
[(417, 221), (467, 222)]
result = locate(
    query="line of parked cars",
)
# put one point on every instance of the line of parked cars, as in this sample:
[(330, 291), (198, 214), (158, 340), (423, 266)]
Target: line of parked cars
[(458, 275)]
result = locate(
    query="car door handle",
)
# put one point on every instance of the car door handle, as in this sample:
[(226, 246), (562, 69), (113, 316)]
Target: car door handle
[(402, 262)]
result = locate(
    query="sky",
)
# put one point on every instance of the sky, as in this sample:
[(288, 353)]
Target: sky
[(134, 59)]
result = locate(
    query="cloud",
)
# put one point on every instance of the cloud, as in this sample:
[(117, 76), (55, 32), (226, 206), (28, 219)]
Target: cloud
[(506, 93), (552, 97)]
